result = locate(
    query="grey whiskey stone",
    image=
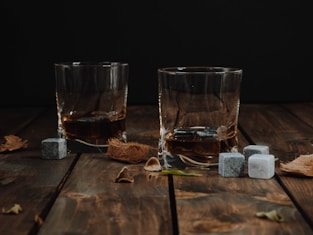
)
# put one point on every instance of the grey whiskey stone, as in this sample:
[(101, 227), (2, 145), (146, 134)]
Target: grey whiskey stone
[(254, 149), (231, 164), (261, 166), (54, 148)]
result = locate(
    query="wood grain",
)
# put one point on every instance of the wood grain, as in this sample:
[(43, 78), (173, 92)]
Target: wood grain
[(289, 134), (77, 195), (27, 179), (303, 111), (271, 125), (142, 124), (14, 119), (92, 203), (90, 195), (215, 205)]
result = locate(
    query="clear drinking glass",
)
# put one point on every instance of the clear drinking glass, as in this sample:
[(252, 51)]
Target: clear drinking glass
[(198, 112), (91, 101)]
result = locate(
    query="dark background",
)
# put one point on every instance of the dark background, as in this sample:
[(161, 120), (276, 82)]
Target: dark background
[(269, 40)]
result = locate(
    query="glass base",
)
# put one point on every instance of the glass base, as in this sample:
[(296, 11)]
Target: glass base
[(79, 146)]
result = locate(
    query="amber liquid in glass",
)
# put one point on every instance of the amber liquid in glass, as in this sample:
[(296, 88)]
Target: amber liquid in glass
[(93, 128), (199, 146)]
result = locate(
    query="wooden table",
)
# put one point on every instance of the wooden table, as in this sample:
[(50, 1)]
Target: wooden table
[(77, 195)]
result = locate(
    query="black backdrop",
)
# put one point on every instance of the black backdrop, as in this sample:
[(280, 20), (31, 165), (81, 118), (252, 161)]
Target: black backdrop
[(269, 40)]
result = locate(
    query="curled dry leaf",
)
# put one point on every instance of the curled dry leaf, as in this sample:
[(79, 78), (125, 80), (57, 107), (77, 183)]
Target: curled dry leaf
[(15, 209), (12, 143), (127, 152), (303, 165), (153, 164), (271, 215), (123, 176), (38, 220)]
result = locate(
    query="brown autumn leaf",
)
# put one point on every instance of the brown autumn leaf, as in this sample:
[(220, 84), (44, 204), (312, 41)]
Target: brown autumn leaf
[(15, 209), (303, 165), (12, 143), (38, 220), (153, 164), (124, 176), (271, 215)]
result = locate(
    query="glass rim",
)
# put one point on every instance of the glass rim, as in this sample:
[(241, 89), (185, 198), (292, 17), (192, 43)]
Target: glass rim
[(199, 70), (107, 64)]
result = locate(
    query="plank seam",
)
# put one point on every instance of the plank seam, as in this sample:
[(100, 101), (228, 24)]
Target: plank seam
[(34, 230), (173, 205)]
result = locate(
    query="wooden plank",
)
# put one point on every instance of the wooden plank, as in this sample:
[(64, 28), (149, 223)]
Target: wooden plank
[(14, 119), (303, 111), (91, 203), (301, 187), (27, 179), (211, 204), (120, 208), (282, 131), (143, 125), (288, 137)]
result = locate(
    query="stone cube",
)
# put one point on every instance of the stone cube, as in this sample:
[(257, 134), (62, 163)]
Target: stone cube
[(261, 166), (54, 148), (254, 149), (231, 164)]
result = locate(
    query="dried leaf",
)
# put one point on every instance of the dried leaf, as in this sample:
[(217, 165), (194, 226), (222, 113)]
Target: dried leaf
[(123, 176), (7, 180), (153, 164), (13, 143), (38, 220), (127, 152), (303, 165), (179, 172), (15, 209), (271, 215)]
